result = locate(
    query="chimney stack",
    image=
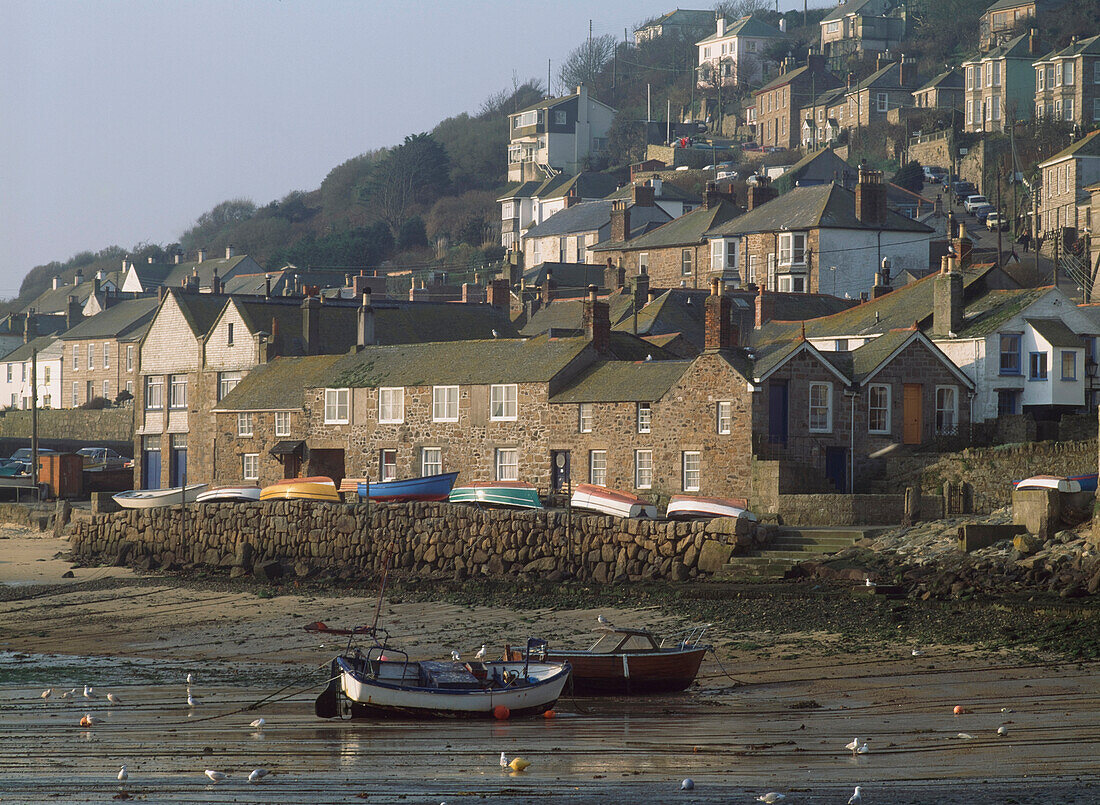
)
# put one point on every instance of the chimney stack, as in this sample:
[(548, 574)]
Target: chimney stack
[(760, 193), (499, 295), (765, 307), (871, 198), (620, 221), (643, 195), (963, 246), (215, 283), (639, 286), (907, 70), (176, 258), (366, 321), (30, 327), (230, 252), (267, 286), (202, 255), (712, 195), (597, 322), (947, 300), (78, 277), (717, 325), (311, 325), (1033, 43), (56, 283), (73, 313), (614, 277)]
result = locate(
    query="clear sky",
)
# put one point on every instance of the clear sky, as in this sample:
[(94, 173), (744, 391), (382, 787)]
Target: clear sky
[(124, 120)]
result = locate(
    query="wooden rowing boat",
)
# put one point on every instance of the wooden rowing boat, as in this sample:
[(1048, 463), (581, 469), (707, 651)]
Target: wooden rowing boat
[(229, 494), (1056, 482), (429, 487), (611, 501), (688, 507), (509, 494), (155, 498), (317, 487), (629, 661)]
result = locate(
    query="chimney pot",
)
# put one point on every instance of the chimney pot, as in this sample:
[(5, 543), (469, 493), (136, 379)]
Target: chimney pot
[(597, 322)]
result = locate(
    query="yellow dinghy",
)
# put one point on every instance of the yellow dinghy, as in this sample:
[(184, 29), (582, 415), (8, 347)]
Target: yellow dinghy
[(316, 488)]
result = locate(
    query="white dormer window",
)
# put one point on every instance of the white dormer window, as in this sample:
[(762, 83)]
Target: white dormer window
[(391, 406), (723, 256), (527, 119)]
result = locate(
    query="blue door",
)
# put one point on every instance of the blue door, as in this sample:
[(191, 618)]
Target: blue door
[(150, 469), (177, 469), (777, 412), (836, 467)]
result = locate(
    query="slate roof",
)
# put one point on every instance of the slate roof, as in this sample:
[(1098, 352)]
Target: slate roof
[(1039, 4), (153, 275), (590, 216), (25, 352), (989, 312), (681, 16), (669, 192), (56, 300), (277, 386), (566, 275), (199, 309), (746, 26), (120, 319), (844, 9), (1015, 48), (817, 167), (1090, 45), (951, 79), (622, 381), (768, 356), (548, 103), (1056, 333), (43, 323), (689, 229), (867, 358), (826, 206), (1087, 146), (782, 79)]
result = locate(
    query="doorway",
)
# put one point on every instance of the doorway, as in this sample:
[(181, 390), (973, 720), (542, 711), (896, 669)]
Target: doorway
[(836, 467), (912, 416), (150, 463), (777, 412), (559, 470), (177, 462)]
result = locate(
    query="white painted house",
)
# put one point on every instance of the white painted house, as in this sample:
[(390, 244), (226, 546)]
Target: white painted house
[(557, 135), (735, 53), (15, 374)]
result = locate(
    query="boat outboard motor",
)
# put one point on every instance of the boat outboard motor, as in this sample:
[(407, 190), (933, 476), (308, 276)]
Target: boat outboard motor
[(328, 703)]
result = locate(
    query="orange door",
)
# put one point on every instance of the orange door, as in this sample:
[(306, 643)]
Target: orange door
[(911, 413)]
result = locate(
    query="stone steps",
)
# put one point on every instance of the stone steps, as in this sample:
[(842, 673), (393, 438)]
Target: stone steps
[(791, 546)]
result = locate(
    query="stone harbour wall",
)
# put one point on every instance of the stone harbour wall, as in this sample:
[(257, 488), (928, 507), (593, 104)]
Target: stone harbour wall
[(105, 425), (305, 539)]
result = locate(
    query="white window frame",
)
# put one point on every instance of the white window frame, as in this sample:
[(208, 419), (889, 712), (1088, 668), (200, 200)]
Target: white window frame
[(691, 470), (106, 389), (996, 105), (792, 245), (337, 406), (585, 417), (882, 102), (723, 413), (76, 356), (503, 402), (177, 383), (828, 427), (954, 409), (525, 119), (996, 73), (282, 423), (431, 461), (250, 466), (391, 405), (129, 357), (444, 403), (76, 391), (246, 426), (387, 470), (106, 354), (643, 261), (153, 402), (227, 381), (644, 418), (91, 357), (597, 467), (687, 262), (643, 469), (1068, 74), (1040, 76), (507, 464), (884, 408)]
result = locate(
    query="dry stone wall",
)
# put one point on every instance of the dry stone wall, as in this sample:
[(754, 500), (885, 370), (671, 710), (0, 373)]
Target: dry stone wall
[(304, 538), (105, 425)]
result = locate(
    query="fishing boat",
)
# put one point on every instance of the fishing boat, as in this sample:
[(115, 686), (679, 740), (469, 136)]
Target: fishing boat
[(229, 494), (429, 487), (611, 501), (1087, 482), (384, 682), (1056, 482), (690, 507), (318, 487), (629, 661), (511, 494), (154, 498)]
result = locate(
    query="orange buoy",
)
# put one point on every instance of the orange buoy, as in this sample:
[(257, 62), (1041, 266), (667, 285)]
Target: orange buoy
[(959, 710), (549, 714), (501, 713)]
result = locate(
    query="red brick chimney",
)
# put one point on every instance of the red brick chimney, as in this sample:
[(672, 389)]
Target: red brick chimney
[(717, 329), (499, 297), (643, 195), (597, 322), (765, 307), (620, 221), (871, 197)]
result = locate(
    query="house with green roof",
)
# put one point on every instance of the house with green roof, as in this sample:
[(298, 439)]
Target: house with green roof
[(736, 53), (557, 135), (529, 203), (682, 23), (1000, 85)]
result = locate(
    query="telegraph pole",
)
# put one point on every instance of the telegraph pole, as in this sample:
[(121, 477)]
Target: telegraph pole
[(999, 222), (34, 415)]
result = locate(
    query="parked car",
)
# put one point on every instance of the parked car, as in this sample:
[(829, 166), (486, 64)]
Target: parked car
[(19, 462), (973, 202), (774, 149), (97, 459), (983, 212), (995, 221), (934, 174)]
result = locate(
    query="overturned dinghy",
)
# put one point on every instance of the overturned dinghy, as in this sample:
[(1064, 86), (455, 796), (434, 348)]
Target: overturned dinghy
[(1055, 482)]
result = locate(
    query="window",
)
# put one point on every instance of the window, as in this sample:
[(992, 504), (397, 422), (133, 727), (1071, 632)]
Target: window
[(754, 261), (878, 409), (1058, 110), (431, 461), (391, 405), (387, 465), (445, 403), (792, 248), (244, 424), (46, 375), (75, 401), (336, 406), (996, 73), (130, 387), (1038, 366), (645, 417), (106, 389), (643, 263), (527, 119), (840, 345), (129, 357), (724, 411), (229, 334), (597, 467), (559, 117), (1067, 73), (177, 391), (691, 472), (1008, 402), (282, 423), (154, 393), (723, 255), (947, 410), (970, 111), (227, 381), (970, 77), (643, 469), (882, 102), (250, 466), (832, 27), (502, 401), (106, 355), (685, 262), (507, 464), (584, 417), (1096, 106), (1040, 75), (1069, 109), (9, 372), (821, 407), (91, 356), (1069, 364), (996, 106), (1010, 354), (76, 356)]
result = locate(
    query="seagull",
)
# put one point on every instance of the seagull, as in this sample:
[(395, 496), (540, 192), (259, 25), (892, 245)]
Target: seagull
[(857, 746), (496, 334), (123, 775), (47, 693), (857, 796), (603, 621), (481, 653), (868, 583), (215, 776), (190, 679), (455, 656), (88, 693), (687, 785), (503, 761), (966, 736), (113, 699), (772, 797), (191, 701), (88, 720), (1002, 730), (649, 356), (68, 694), (917, 652), (257, 775), (258, 723)]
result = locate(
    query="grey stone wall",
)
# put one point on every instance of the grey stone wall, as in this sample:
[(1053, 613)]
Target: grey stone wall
[(106, 425), (305, 538)]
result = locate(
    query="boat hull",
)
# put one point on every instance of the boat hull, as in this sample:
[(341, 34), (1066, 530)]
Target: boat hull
[(155, 498), (1055, 482), (516, 496), (689, 507), (316, 488), (430, 487), (381, 698), (229, 494), (610, 501), (625, 674)]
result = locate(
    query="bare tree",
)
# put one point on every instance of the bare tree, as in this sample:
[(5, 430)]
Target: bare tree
[(736, 9), (584, 62)]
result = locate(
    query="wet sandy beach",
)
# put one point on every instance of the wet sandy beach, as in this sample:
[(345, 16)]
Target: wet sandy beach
[(781, 727)]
